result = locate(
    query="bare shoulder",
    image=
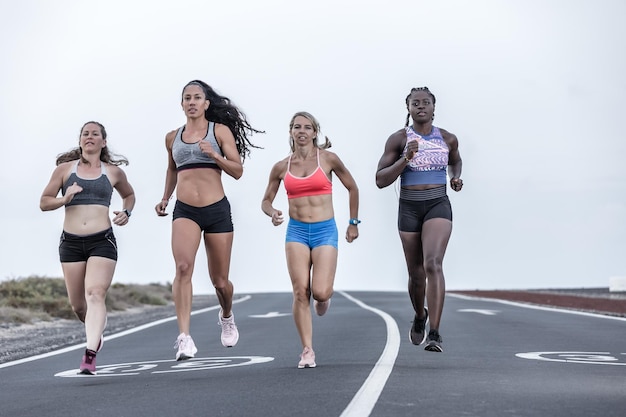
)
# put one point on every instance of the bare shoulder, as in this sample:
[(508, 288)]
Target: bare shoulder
[(221, 129), (447, 136), (282, 164), (170, 136)]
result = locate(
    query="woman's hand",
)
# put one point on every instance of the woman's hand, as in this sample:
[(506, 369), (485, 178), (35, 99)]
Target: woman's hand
[(456, 184), (160, 208), (277, 217)]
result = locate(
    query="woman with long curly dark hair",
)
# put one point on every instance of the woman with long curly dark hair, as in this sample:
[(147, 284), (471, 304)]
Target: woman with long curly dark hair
[(213, 140)]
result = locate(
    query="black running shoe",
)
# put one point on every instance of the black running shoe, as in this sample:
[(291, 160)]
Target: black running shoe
[(433, 342), (417, 334)]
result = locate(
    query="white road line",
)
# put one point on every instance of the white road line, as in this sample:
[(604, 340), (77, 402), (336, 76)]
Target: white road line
[(113, 336), (365, 399), (537, 307)]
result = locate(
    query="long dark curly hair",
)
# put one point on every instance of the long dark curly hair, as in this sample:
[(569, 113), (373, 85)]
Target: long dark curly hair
[(221, 110), (105, 155)]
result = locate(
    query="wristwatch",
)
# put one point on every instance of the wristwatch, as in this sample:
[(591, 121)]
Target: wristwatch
[(354, 221), (128, 212)]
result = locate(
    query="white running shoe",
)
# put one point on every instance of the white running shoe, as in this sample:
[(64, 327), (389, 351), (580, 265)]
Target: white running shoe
[(307, 359), (186, 348), (230, 334)]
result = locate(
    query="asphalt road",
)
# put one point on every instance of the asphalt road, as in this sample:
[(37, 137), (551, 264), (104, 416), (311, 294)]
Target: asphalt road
[(499, 359)]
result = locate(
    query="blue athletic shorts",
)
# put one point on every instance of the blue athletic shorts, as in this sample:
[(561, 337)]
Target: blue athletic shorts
[(312, 234)]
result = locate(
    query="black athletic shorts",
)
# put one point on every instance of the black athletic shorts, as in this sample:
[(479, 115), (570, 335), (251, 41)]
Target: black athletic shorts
[(215, 218), (413, 214), (77, 248)]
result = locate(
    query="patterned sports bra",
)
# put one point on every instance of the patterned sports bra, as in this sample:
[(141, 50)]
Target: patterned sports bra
[(430, 163)]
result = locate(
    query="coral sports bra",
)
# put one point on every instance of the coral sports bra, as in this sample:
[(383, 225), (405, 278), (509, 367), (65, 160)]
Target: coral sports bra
[(315, 184)]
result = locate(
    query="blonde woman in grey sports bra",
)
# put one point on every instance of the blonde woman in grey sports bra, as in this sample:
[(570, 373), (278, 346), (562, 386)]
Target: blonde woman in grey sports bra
[(213, 140)]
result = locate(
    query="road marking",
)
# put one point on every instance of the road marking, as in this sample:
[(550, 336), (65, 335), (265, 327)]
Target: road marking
[(594, 358), (479, 311), (269, 315), (113, 336), (168, 366), (365, 399)]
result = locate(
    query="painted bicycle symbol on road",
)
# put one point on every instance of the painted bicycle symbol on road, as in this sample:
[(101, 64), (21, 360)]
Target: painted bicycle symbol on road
[(168, 366), (594, 358)]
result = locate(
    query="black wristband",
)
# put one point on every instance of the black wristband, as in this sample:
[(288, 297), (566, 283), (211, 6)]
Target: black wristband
[(128, 212)]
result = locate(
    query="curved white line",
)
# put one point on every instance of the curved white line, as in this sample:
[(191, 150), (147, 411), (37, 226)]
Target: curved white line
[(365, 399), (113, 336)]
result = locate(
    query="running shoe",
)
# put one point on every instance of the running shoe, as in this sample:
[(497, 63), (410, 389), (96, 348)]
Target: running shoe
[(417, 334), (186, 348), (307, 359), (433, 342), (230, 334), (321, 307), (88, 364)]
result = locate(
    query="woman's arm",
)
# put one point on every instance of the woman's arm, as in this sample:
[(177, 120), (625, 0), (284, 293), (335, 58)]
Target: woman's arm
[(127, 193), (348, 181), (455, 163), (231, 162), (171, 177), (271, 191), (392, 162), (49, 200)]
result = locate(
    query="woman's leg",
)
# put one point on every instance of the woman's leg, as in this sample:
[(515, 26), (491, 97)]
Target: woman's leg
[(98, 277), (185, 243), (324, 264), (218, 250), (299, 266), (412, 246), (74, 275), (435, 236)]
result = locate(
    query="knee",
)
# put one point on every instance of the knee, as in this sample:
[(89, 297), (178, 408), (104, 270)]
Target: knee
[(96, 294), (183, 270), (323, 295), (433, 266), (221, 284), (301, 295)]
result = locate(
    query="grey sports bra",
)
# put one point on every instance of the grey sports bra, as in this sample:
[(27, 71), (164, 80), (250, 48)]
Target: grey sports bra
[(95, 190), (188, 155)]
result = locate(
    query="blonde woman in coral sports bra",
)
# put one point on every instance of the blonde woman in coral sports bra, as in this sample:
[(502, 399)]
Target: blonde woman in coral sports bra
[(312, 236)]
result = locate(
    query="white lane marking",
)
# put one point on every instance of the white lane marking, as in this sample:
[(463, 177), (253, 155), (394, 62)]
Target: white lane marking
[(536, 307), (269, 315), (365, 399), (594, 358), (167, 366), (479, 311), (113, 336)]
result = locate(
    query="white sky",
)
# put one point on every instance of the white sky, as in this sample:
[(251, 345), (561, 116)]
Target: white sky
[(533, 90)]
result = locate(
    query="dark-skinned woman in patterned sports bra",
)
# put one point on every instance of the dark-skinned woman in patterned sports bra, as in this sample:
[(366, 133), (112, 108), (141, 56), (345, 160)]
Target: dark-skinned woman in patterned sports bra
[(312, 236), (213, 140), (419, 155), (86, 177)]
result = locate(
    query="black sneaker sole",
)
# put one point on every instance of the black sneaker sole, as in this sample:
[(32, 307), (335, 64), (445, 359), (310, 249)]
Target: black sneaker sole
[(433, 347)]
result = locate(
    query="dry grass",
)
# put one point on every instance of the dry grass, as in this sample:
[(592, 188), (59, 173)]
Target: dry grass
[(34, 298)]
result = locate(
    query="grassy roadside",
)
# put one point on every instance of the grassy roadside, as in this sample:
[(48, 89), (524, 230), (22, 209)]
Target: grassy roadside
[(36, 298)]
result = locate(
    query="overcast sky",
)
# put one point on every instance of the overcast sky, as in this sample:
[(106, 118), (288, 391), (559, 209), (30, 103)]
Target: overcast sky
[(533, 89)]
